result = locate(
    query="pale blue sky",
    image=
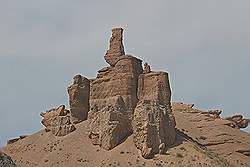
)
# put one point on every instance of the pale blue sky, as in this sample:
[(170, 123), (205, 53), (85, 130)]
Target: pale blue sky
[(204, 45)]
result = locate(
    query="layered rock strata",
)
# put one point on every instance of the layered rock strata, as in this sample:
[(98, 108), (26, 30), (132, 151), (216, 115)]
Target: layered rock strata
[(113, 95), (79, 98), (153, 123), (119, 80)]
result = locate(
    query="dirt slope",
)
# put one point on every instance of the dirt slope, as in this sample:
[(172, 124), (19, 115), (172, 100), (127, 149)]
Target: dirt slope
[(214, 133), (43, 149)]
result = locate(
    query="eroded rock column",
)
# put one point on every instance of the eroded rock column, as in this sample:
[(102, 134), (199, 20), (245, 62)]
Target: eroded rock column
[(79, 98), (153, 123), (113, 95), (116, 48)]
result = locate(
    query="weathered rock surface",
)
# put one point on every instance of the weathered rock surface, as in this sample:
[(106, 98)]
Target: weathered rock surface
[(79, 98), (52, 114), (154, 86), (6, 161), (109, 126), (58, 120), (153, 128), (153, 123), (214, 133), (237, 121), (61, 126), (116, 48), (119, 80)]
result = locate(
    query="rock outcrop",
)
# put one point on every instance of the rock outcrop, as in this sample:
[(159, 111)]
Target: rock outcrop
[(237, 121), (153, 123), (116, 48), (58, 120), (109, 126), (79, 98), (147, 68), (6, 161)]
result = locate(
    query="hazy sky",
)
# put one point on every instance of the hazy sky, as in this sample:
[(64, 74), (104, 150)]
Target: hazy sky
[(204, 45)]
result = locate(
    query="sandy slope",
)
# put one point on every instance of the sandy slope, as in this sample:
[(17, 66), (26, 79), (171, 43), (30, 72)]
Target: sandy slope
[(74, 150), (231, 144)]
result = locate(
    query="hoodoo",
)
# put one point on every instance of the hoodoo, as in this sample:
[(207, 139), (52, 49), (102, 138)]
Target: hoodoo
[(123, 117)]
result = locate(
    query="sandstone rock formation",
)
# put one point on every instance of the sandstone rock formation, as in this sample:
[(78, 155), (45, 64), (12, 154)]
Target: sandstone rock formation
[(153, 123), (109, 126), (79, 98), (147, 68), (58, 120), (116, 48), (120, 93), (129, 106), (237, 121), (214, 134), (6, 161), (155, 86), (119, 80)]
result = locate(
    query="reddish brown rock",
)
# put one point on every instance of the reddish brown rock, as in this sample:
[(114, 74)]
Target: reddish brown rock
[(109, 126), (51, 114), (215, 134), (58, 120), (122, 80), (153, 123), (79, 98), (237, 121), (61, 126), (153, 128), (116, 48), (154, 86)]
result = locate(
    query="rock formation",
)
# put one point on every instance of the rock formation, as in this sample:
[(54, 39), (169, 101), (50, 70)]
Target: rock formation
[(120, 93), (153, 123), (129, 106), (147, 68), (110, 125), (116, 48), (79, 98), (58, 120), (113, 95), (237, 121), (6, 161)]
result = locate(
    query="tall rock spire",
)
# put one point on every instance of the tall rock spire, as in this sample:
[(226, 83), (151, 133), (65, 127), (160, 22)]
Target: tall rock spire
[(116, 48)]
